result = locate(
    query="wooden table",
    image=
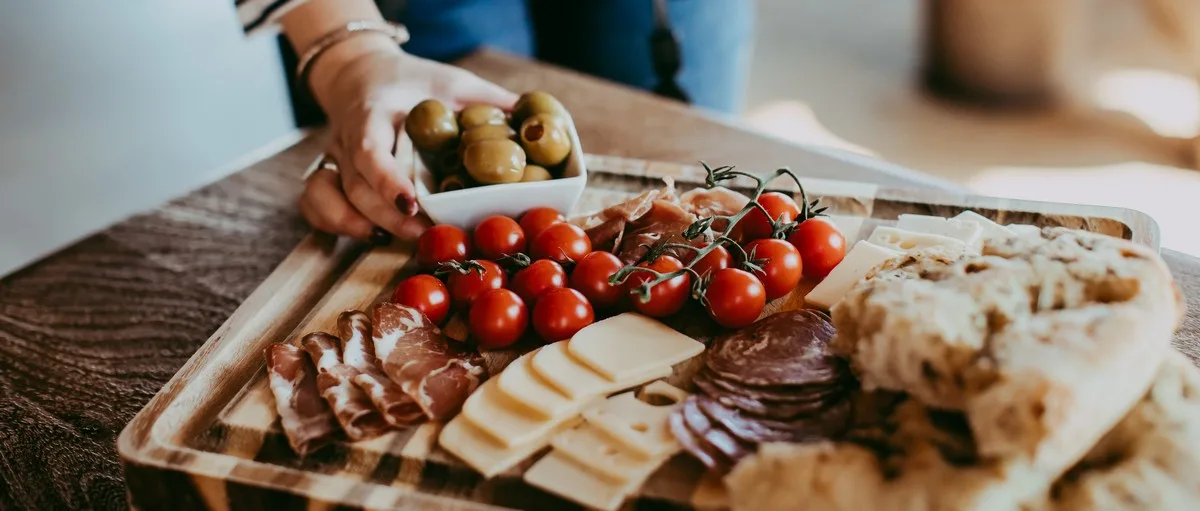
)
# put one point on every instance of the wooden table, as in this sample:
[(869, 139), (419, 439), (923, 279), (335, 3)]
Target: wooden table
[(88, 335)]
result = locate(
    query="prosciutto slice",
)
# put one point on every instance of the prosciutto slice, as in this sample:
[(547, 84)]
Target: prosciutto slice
[(606, 227), (308, 422), (351, 405), (718, 201), (664, 222), (437, 372), (358, 351)]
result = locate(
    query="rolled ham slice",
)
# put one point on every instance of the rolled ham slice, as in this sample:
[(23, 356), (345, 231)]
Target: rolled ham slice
[(351, 405), (436, 372), (307, 421), (358, 351)]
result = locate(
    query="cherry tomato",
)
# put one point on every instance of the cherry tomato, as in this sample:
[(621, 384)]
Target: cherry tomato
[(821, 245), (718, 259), (756, 226), (560, 313), (498, 319), (735, 297), (531, 282), (590, 277), (425, 293), (781, 271), (666, 298), (498, 236), (442, 243), (537, 220), (465, 288), (561, 242)]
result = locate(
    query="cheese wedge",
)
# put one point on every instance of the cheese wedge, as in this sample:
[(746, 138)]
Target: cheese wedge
[(602, 455), (509, 423), (630, 344), (519, 383), (558, 474), (909, 241), (485, 455), (991, 230), (555, 365), (970, 233), (861, 259), (640, 427)]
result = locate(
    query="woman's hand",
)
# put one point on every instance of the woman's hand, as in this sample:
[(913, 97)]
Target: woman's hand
[(367, 99)]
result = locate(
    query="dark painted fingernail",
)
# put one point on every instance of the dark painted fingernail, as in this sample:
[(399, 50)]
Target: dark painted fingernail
[(380, 236), (406, 205)]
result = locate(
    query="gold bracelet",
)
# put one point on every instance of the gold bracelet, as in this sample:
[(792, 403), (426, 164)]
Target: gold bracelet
[(394, 30)]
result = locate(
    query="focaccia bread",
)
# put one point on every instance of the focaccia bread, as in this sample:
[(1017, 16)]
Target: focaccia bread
[(1043, 342), (1150, 460)]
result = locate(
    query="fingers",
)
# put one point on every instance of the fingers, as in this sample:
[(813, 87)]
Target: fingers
[(325, 207), (371, 146), (469, 89), (372, 205)]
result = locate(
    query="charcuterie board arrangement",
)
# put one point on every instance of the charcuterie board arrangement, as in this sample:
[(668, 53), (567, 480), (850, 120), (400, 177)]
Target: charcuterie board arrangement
[(691, 337)]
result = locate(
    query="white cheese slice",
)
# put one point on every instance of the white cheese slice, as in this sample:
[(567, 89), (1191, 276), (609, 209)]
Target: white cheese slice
[(560, 475), (991, 230), (507, 421), (908, 241), (554, 364), (485, 455), (970, 233), (1025, 229), (603, 455), (630, 344), (521, 384), (861, 259), (850, 226), (640, 426)]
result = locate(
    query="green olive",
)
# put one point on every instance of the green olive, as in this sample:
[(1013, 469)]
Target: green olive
[(535, 173), (431, 126), (485, 132), (545, 139), (536, 102), (495, 160), (452, 183), (480, 115)]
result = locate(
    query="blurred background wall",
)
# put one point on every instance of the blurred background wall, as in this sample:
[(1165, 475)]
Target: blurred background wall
[(112, 107)]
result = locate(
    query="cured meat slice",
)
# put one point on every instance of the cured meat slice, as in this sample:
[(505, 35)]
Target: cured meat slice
[(358, 351), (693, 444), (716, 201), (629, 210), (607, 236), (831, 422), (788, 394), (718, 439), (437, 372), (307, 421), (351, 405), (785, 348), (664, 223)]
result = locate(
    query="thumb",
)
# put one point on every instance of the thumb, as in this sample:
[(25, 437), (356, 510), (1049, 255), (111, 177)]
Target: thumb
[(473, 90)]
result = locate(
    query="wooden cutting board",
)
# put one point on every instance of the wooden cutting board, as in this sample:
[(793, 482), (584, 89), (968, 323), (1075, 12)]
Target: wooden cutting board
[(211, 439)]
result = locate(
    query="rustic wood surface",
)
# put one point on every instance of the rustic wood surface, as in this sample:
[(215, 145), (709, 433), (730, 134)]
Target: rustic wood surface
[(90, 334)]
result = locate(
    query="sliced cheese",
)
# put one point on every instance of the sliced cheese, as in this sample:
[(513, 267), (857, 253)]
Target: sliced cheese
[(1024, 230), (630, 344), (554, 364), (641, 427), (506, 421), (909, 241), (558, 474), (991, 230), (519, 383), (602, 455), (861, 259), (485, 455), (970, 233), (850, 226)]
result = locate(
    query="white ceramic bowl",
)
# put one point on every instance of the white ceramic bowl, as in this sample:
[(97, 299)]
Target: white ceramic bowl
[(465, 208)]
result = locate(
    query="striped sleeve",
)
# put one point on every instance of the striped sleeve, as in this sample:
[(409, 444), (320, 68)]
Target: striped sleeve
[(259, 15)]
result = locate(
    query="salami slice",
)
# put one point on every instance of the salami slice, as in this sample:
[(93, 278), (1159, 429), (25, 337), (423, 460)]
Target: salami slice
[(785, 348), (789, 394), (693, 444), (732, 450), (831, 422)]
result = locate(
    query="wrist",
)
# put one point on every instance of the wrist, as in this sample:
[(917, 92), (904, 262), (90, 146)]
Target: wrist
[(329, 69)]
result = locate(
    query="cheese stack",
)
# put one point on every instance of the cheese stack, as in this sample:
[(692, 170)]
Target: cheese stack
[(514, 415), (621, 443), (965, 233)]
